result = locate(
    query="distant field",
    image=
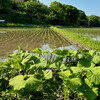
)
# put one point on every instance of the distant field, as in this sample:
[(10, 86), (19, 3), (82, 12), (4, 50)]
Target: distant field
[(29, 39), (88, 31)]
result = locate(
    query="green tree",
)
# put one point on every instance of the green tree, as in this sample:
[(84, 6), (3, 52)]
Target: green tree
[(35, 9), (5, 6), (94, 21), (56, 15), (63, 14), (71, 15), (82, 18)]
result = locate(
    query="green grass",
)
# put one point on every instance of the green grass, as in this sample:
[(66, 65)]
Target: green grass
[(82, 39)]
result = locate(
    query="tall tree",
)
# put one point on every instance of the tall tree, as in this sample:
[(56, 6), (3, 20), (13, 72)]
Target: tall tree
[(63, 14), (82, 18), (71, 15), (56, 15), (5, 6), (35, 9), (94, 20)]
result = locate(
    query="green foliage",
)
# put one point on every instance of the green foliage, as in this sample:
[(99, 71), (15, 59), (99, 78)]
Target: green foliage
[(18, 82), (61, 14), (48, 74), (5, 6), (35, 9), (34, 12), (94, 21), (73, 74), (82, 19)]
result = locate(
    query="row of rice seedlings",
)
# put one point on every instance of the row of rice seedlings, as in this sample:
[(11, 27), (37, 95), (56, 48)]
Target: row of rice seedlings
[(39, 40), (36, 35), (64, 40), (58, 40), (45, 34), (12, 34), (53, 39), (12, 43), (30, 41), (49, 36), (30, 36)]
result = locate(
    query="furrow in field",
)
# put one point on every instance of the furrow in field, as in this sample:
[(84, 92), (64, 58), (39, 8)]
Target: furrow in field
[(62, 39), (58, 43), (32, 44), (52, 40)]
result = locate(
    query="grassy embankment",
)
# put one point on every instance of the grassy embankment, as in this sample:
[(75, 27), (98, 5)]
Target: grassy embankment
[(84, 40)]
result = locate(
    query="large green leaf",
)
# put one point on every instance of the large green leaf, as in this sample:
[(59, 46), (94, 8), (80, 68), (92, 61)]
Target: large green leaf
[(92, 52), (63, 67), (25, 60), (53, 65), (94, 77), (64, 74), (38, 51), (96, 59), (32, 83), (73, 83), (41, 64), (83, 62), (77, 69), (89, 93), (48, 74), (17, 82), (61, 52)]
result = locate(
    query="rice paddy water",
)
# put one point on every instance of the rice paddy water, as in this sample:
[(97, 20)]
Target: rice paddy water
[(29, 39)]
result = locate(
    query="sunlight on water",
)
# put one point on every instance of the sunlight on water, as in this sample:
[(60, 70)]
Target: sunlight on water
[(96, 38), (46, 47)]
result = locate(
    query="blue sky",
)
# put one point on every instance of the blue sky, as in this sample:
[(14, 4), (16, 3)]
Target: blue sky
[(91, 7)]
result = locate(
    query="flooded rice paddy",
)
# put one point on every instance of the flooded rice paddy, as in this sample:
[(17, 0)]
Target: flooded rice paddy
[(29, 39)]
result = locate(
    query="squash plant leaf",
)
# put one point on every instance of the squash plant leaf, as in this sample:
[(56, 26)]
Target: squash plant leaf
[(83, 62), (32, 83), (77, 69), (25, 60), (96, 59), (64, 74), (48, 74), (38, 51), (92, 52), (94, 77), (74, 83), (17, 82), (88, 92)]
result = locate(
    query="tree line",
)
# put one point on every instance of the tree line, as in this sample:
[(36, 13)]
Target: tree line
[(35, 12)]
